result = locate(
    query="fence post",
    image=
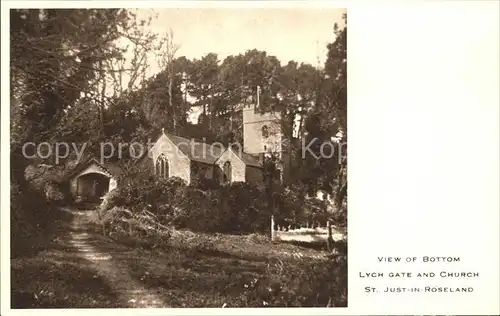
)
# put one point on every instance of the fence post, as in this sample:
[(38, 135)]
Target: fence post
[(273, 232), (329, 240)]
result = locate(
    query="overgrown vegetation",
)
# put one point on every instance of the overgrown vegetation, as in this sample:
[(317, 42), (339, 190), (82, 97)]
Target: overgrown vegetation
[(238, 208), (154, 215), (32, 230)]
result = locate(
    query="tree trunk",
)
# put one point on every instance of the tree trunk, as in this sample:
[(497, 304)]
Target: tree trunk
[(342, 188), (170, 103), (211, 109), (329, 240), (103, 97)]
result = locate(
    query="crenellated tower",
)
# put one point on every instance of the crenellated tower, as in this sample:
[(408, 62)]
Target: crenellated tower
[(262, 134)]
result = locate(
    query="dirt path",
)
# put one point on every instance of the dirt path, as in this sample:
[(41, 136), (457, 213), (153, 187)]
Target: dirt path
[(83, 269), (107, 267)]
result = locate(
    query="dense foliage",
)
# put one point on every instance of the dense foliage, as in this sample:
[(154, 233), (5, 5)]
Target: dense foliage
[(237, 209)]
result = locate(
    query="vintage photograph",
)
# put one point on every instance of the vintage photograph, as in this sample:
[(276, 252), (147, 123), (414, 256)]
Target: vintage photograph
[(178, 157)]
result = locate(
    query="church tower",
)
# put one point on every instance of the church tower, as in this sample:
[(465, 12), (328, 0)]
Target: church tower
[(262, 134)]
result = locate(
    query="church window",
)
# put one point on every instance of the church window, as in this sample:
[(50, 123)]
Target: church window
[(227, 172), (162, 167)]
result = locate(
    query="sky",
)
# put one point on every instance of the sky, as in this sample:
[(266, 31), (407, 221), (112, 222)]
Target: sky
[(299, 34)]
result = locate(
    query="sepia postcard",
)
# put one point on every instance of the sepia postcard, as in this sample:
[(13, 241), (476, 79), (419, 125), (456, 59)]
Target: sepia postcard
[(191, 158)]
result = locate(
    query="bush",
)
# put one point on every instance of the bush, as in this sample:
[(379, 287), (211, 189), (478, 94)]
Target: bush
[(141, 228), (231, 209), (239, 208), (110, 200), (192, 244), (45, 180), (54, 193), (206, 207), (303, 283), (23, 220), (294, 209), (33, 219), (160, 196), (197, 211), (206, 184), (247, 208)]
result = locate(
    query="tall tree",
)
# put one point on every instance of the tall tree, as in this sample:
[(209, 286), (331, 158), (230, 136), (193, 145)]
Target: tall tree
[(327, 123), (165, 56), (336, 100), (203, 87), (55, 58)]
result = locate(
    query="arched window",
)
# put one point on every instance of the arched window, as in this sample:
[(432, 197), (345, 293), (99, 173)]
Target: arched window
[(227, 172), (265, 131), (161, 169)]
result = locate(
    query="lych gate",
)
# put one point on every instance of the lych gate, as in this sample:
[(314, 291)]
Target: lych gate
[(91, 182)]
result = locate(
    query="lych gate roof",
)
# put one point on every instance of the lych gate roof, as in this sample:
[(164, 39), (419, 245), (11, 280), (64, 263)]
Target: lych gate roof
[(112, 169)]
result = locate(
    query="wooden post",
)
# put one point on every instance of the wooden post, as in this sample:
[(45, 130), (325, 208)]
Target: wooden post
[(329, 240), (273, 232)]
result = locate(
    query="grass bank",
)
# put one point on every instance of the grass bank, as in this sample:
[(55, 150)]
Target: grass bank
[(192, 270)]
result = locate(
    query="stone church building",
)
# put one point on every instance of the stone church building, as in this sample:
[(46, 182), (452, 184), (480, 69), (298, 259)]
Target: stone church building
[(175, 156)]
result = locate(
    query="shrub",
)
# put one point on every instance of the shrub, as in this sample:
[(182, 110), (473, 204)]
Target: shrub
[(230, 209), (197, 211), (247, 208), (206, 184), (192, 244), (301, 283), (141, 228), (54, 193), (110, 200), (159, 195), (206, 207), (165, 198), (23, 221), (33, 219), (258, 239)]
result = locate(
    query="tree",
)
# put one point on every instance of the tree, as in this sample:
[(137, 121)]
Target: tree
[(336, 102), (55, 55), (165, 53), (203, 85), (315, 111), (57, 91), (129, 73)]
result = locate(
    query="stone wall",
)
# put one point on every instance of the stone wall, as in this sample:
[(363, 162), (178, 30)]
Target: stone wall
[(178, 163), (238, 168)]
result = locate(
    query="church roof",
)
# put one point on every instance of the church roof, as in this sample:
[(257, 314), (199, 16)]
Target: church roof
[(206, 153), (197, 151), (248, 159)]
